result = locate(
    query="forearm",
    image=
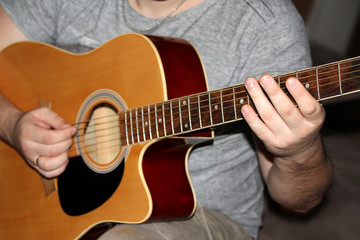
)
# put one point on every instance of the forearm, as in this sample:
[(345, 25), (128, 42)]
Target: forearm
[(299, 182)]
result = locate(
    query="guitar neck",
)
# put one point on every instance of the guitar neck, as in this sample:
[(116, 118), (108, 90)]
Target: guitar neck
[(208, 109)]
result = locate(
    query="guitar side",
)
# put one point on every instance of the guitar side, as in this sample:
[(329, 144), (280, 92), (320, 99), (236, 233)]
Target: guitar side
[(124, 65)]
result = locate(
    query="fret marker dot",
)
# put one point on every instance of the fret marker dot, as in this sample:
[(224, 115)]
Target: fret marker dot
[(184, 102), (186, 125), (146, 124), (216, 107), (242, 101), (160, 120), (307, 85)]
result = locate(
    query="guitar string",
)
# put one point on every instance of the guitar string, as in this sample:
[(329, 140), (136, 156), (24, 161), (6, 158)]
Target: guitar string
[(140, 133), (218, 91), (117, 138), (187, 109), (193, 116), (212, 98)]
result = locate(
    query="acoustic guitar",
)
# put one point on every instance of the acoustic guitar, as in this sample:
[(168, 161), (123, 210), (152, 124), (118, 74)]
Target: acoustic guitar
[(140, 104)]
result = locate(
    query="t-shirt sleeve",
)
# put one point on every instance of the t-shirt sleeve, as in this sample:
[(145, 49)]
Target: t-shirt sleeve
[(35, 18)]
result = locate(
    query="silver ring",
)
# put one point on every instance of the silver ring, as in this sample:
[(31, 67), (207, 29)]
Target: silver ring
[(37, 160)]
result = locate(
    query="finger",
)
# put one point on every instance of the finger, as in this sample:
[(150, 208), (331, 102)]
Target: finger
[(264, 107), (256, 124), (281, 102), (55, 149), (51, 136), (49, 164), (50, 119), (53, 173), (39, 149), (310, 109)]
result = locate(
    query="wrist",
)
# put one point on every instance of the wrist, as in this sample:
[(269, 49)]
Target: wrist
[(300, 182), (310, 156), (10, 117)]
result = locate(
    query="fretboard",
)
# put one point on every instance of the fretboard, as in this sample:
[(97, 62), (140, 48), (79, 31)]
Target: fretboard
[(208, 109)]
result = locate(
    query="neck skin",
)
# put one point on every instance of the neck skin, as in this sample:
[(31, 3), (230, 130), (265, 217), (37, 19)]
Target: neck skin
[(161, 8)]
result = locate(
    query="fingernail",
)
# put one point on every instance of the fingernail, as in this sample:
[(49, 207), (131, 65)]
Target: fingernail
[(250, 83), (266, 80), (245, 110), (73, 131), (291, 83)]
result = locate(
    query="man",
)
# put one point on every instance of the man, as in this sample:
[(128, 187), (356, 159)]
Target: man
[(236, 39)]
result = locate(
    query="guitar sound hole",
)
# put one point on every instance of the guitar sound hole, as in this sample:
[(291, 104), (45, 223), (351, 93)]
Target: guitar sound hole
[(101, 134)]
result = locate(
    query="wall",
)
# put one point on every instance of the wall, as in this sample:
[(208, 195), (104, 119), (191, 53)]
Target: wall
[(331, 24)]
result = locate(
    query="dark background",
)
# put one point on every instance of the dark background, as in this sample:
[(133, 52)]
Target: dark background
[(338, 216)]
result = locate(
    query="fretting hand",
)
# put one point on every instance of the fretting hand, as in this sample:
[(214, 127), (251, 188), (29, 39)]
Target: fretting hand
[(291, 155), (286, 130)]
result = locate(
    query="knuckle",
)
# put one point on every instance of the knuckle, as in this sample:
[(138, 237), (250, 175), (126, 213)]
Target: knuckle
[(260, 133), (47, 138), (69, 143), (285, 143), (24, 146), (266, 116), (311, 109), (24, 132), (280, 145), (304, 133), (46, 165), (288, 112), (54, 150)]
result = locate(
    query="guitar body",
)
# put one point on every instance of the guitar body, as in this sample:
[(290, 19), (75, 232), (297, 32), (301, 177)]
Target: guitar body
[(149, 183)]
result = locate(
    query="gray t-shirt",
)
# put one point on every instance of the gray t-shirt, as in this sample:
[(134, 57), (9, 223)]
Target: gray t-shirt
[(235, 39)]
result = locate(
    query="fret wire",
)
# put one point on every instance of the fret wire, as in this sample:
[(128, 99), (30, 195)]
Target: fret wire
[(126, 129), (172, 118), (156, 122), (234, 101), (221, 102), (164, 120), (137, 125), (131, 128), (149, 120), (199, 109), (189, 107), (180, 115), (317, 82), (142, 119), (339, 73), (210, 110)]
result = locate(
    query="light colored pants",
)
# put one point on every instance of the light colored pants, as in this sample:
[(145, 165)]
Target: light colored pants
[(206, 224)]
